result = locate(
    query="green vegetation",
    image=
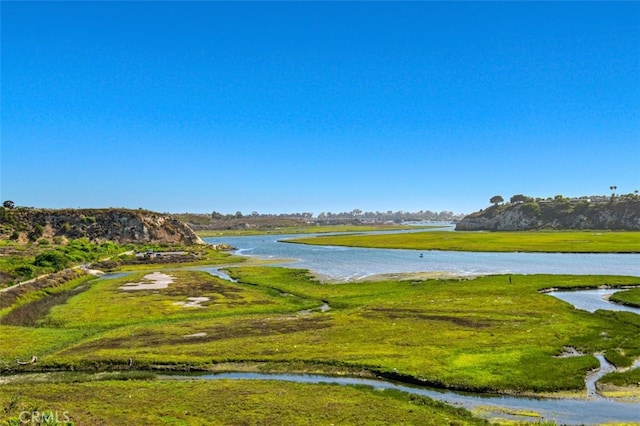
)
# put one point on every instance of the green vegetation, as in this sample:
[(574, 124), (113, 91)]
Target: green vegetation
[(482, 334), (630, 378), (530, 241), (20, 262), (628, 297), (200, 255), (151, 402), (615, 212), (487, 334), (24, 261)]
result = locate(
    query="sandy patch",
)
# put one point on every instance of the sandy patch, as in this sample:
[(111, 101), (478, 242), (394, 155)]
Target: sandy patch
[(396, 276), (193, 302), (201, 334), (95, 272), (620, 393), (155, 281)]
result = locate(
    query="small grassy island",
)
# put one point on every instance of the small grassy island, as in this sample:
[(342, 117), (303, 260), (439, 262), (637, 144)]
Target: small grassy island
[(528, 241)]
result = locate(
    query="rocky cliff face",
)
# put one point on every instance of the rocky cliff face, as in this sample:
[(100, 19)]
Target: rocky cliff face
[(616, 214), (118, 225)]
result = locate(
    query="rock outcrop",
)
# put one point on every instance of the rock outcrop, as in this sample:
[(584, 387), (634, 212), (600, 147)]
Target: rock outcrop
[(559, 213), (118, 225)]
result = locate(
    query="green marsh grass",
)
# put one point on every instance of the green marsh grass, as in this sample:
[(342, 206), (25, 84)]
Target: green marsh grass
[(628, 297), (529, 241), (482, 334), (226, 402), (106, 304)]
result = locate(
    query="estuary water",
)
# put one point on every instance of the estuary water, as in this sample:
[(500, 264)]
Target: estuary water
[(350, 264)]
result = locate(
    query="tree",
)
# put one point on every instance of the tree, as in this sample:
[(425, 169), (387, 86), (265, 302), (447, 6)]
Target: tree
[(8, 204), (519, 198), (496, 199)]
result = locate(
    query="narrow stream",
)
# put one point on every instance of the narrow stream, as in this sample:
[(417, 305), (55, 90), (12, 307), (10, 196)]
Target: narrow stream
[(563, 411), (592, 378)]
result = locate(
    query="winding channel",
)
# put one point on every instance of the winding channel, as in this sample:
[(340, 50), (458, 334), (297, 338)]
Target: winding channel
[(563, 411), (349, 264)]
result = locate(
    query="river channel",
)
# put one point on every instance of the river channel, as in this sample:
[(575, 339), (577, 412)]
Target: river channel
[(563, 411), (349, 263), (352, 264)]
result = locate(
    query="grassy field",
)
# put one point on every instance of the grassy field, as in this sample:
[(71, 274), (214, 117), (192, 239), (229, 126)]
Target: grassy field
[(529, 241), (317, 229), (483, 334), (152, 402)]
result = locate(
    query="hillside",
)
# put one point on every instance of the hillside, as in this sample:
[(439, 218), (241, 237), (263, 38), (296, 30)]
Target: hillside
[(117, 225), (598, 213)]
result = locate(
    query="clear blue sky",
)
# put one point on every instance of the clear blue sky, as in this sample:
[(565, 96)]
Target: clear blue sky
[(317, 106)]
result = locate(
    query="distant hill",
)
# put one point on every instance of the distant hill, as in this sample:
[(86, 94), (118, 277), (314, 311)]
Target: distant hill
[(525, 213), (110, 224)]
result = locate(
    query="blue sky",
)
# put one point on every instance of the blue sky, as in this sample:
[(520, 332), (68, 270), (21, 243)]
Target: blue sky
[(317, 106)]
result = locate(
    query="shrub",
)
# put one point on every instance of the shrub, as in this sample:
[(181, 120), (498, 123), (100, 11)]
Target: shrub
[(51, 259), (531, 208), (36, 232), (24, 271)]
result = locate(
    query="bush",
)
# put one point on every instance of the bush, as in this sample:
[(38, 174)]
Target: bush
[(51, 259), (36, 232), (24, 271), (531, 208)]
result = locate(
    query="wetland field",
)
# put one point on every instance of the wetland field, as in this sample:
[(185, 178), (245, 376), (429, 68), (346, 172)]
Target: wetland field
[(102, 350)]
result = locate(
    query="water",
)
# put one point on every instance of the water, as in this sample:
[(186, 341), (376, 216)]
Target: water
[(113, 275), (562, 411), (352, 264), (347, 263), (592, 300)]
